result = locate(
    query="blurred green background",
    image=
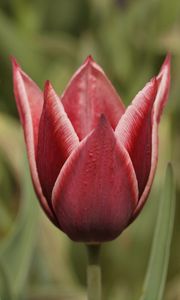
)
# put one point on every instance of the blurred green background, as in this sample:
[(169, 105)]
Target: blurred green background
[(50, 39)]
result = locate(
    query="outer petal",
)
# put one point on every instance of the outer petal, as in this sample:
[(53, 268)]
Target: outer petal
[(29, 99), (57, 139), (29, 102), (135, 132), (96, 191), (163, 79), (138, 130), (88, 95)]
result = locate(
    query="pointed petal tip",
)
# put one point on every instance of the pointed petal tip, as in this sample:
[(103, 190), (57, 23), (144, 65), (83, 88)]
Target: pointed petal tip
[(15, 64), (168, 57), (47, 85), (48, 88), (89, 59), (50, 95), (153, 81), (167, 61), (149, 89)]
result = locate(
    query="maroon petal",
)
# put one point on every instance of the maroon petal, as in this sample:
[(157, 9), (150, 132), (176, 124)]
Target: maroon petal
[(135, 132), (88, 95), (96, 191), (163, 80), (57, 139), (29, 101), (138, 129)]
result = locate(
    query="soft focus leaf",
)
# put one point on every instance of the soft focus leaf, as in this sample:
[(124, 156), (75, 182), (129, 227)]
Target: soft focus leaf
[(5, 288), (16, 248), (9, 128), (158, 264), (16, 43)]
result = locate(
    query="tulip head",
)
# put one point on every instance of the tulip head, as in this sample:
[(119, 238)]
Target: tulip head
[(92, 160)]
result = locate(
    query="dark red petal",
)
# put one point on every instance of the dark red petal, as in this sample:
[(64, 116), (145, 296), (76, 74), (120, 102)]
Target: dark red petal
[(28, 98), (96, 191), (88, 95), (29, 101), (138, 130), (135, 132), (57, 139), (163, 79)]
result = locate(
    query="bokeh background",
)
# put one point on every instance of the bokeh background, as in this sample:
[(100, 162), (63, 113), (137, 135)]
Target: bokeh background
[(50, 39)]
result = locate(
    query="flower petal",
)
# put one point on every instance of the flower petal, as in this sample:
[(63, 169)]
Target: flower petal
[(57, 139), (29, 101), (163, 79), (29, 98), (96, 191), (135, 132), (88, 95), (138, 129)]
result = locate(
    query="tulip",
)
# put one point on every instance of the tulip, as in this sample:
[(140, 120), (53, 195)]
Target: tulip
[(92, 160)]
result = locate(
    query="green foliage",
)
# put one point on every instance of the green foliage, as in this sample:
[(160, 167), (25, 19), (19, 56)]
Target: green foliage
[(17, 247), (158, 264), (5, 287)]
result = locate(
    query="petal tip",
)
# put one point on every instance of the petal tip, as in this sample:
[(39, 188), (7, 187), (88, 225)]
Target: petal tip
[(168, 58), (48, 88), (47, 85), (89, 59), (167, 61), (153, 81), (15, 64)]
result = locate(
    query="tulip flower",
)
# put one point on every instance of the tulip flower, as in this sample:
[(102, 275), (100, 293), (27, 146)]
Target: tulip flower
[(92, 160)]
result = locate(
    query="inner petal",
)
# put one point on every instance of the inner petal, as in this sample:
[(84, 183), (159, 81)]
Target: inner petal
[(57, 139), (135, 132), (88, 95)]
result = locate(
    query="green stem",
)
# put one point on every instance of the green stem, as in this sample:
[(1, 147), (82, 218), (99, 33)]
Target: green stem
[(93, 273)]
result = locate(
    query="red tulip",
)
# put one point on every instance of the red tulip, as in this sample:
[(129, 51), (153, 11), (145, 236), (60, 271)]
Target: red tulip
[(92, 161)]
